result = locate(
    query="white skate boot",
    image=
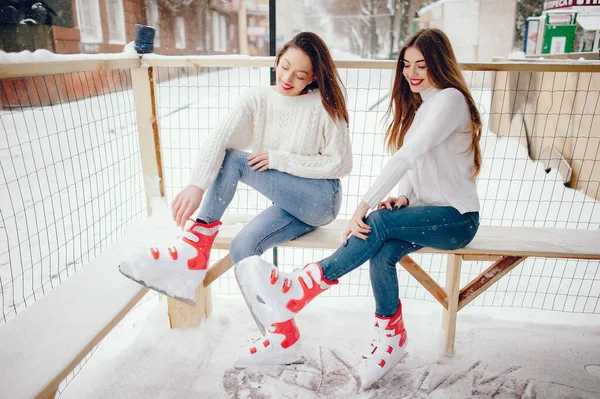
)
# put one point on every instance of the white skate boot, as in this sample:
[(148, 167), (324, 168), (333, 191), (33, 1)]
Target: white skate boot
[(274, 297), (387, 349), (175, 271), (278, 346)]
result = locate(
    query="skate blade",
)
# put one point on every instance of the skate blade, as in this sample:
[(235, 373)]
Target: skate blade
[(142, 282), (260, 326)]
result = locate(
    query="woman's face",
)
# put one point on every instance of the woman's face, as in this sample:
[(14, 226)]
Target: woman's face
[(294, 72), (415, 70)]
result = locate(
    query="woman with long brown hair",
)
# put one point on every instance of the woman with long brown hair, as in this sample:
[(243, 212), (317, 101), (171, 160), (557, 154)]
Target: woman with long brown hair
[(298, 133), (434, 136)]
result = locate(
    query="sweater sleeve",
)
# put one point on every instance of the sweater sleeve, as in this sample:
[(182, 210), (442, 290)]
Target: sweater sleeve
[(333, 161), (405, 189), (446, 114), (234, 131)]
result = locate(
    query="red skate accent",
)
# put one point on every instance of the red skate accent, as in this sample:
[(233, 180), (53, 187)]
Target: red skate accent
[(274, 276), (296, 305), (382, 363), (390, 349), (395, 325), (173, 252), (289, 330), (287, 284), (203, 246), (266, 343), (252, 350), (155, 253)]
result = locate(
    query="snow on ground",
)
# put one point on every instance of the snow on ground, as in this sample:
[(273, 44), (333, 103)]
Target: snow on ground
[(499, 354)]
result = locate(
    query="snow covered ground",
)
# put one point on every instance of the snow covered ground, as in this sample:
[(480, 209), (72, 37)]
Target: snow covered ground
[(500, 353)]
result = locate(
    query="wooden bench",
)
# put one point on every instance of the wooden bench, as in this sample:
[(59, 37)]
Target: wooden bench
[(506, 247)]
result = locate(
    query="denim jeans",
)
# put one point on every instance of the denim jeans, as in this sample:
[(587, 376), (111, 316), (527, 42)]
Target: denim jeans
[(397, 233), (300, 204)]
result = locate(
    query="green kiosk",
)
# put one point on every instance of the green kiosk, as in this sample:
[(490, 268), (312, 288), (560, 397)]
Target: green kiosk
[(559, 32)]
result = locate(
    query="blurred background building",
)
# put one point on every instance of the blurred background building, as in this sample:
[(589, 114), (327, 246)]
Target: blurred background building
[(94, 26), (477, 28), (374, 29)]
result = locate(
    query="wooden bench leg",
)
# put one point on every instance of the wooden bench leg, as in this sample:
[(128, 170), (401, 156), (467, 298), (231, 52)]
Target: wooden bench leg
[(48, 393), (453, 290), (182, 315)]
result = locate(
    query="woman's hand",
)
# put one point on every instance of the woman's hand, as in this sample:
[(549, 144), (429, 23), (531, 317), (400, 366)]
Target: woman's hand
[(391, 202), (260, 160), (185, 203), (357, 226)]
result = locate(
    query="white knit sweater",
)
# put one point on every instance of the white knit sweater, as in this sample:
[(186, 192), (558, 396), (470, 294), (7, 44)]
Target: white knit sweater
[(300, 136), (434, 166)]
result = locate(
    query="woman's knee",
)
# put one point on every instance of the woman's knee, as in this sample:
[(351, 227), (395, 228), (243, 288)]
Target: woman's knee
[(377, 222)]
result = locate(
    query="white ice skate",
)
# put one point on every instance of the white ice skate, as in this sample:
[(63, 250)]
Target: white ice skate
[(278, 346), (386, 350), (175, 271), (273, 296)]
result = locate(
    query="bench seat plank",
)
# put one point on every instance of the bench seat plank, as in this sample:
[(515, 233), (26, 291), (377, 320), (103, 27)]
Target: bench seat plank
[(490, 240)]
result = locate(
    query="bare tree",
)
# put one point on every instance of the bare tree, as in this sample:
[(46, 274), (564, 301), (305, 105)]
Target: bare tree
[(359, 20), (525, 9), (406, 13), (371, 26)]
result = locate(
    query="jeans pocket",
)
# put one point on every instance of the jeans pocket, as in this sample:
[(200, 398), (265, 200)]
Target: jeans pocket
[(473, 224)]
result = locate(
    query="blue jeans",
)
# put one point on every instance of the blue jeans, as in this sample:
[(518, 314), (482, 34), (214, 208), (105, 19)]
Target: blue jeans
[(397, 233), (300, 204)]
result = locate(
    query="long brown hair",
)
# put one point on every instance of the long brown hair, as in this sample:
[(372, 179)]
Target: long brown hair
[(328, 80), (443, 72)]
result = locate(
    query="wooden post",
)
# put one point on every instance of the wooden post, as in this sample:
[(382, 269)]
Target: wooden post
[(48, 393), (182, 315), (148, 135), (426, 281), (452, 290)]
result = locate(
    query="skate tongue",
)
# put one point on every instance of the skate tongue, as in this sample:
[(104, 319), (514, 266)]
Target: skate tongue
[(205, 230)]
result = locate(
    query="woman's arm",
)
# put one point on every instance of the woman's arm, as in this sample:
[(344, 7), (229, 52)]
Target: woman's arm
[(235, 131), (333, 161), (405, 188), (445, 115)]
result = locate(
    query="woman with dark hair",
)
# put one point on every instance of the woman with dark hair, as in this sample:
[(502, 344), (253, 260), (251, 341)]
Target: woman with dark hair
[(298, 132), (434, 135)]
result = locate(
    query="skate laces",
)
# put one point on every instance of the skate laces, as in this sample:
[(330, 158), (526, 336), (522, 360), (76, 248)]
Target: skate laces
[(271, 330), (376, 336)]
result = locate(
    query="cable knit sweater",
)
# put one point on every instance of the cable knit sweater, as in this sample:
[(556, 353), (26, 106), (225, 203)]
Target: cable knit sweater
[(434, 165), (300, 136)]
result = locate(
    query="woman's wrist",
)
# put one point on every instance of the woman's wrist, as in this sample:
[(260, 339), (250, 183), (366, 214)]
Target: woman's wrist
[(405, 199), (361, 210)]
